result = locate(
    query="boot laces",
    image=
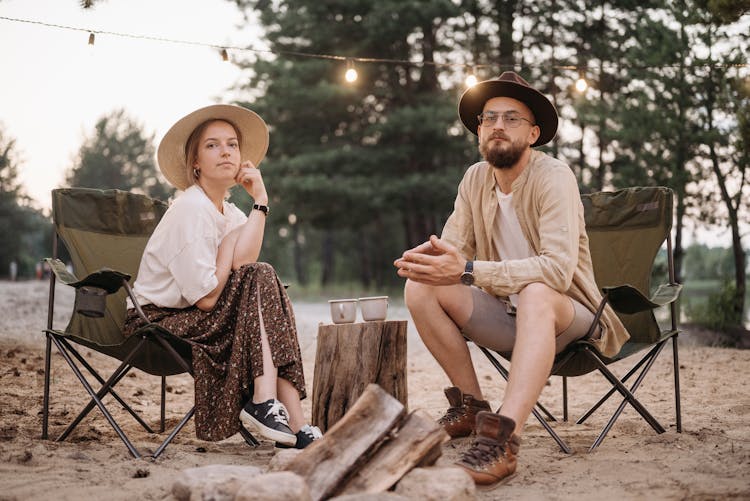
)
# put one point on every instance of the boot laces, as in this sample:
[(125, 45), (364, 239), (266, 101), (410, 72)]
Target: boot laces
[(453, 414), (484, 450)]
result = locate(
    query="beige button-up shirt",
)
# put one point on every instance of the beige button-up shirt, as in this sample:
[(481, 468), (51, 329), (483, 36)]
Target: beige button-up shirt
[(549, 210)]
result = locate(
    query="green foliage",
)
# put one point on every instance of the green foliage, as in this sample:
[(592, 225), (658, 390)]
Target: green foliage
[(720, 311), (118, 155), (708, 263), (23, 227), (364, 170)]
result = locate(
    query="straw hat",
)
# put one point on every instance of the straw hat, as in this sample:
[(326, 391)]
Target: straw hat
[(171, 152), (509, 84)]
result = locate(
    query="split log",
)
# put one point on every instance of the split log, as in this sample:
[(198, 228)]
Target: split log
[(326, 464), (351, 356), (417, 443)]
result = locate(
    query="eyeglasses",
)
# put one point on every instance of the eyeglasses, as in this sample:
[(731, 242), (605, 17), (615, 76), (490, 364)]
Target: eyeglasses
[(510, 119)]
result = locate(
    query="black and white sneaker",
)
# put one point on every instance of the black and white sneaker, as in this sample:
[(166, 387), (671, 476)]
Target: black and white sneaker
[(305, 436), (270, 420)]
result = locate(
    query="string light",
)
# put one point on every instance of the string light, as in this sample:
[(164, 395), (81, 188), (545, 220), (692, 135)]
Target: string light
[(471, 78), (224, 55), (581, 84), (351, 73), (352, 59)]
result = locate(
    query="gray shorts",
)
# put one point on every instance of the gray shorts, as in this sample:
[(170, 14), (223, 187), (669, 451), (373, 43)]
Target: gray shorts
[(493, 323)]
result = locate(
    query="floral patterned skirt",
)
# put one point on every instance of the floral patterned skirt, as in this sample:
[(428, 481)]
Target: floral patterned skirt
[(226, 345)]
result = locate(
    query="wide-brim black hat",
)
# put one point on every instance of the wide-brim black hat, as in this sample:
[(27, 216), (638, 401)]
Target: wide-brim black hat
[(509, 84)]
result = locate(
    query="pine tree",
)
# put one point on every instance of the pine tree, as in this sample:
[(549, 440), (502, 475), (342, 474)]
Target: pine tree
[(118, 155)]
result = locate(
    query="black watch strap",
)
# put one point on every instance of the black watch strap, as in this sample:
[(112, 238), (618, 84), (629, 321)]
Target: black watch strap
[(263, 208)]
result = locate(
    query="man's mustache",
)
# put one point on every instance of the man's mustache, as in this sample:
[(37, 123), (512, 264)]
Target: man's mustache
[(499, 135)]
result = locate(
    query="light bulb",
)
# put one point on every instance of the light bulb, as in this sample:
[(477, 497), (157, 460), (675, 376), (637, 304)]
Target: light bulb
[(471, 80), (581, 84), (351, 74)]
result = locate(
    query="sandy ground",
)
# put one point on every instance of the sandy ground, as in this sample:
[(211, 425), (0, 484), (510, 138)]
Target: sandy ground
[(710, 459)]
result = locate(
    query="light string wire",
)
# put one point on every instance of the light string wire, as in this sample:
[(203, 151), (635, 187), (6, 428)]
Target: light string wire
[(335, 57)]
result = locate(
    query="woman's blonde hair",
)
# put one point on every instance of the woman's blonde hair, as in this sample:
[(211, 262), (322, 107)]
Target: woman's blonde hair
[(191, 146)]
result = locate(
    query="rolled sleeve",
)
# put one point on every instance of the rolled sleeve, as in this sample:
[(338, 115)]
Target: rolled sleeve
[(194, 269)]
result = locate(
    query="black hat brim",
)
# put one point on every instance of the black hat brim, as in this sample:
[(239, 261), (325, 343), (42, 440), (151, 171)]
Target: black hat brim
[(472, 102)]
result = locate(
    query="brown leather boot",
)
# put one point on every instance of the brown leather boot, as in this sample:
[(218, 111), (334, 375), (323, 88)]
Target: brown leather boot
[(492, 456), (460, 419)]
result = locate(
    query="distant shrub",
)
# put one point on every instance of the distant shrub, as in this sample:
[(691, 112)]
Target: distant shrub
[(718, 312)]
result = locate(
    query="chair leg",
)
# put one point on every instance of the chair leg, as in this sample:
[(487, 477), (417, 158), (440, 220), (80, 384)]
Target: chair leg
[(174, 433), (104, 389), (676, 365), (45, 400), (612, 390), (628, 398), (565, 398), (163, 398), (96, 400)]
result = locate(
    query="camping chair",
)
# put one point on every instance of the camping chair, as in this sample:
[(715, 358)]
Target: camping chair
[(105, 231), (626, 229)]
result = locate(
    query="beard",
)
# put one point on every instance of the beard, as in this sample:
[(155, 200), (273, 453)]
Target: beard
[(502, 156)]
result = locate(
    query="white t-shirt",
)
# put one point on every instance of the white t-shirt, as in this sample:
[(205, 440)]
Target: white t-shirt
[(178, 266), (508, 238)]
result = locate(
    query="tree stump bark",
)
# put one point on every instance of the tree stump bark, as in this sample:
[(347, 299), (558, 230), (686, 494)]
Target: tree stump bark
[(351, 356)]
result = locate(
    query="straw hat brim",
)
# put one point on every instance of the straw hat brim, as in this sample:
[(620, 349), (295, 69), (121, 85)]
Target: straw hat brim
[(473, 100), (171, 152)]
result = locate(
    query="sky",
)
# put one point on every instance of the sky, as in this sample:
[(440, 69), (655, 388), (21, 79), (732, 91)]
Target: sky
[(54, 86)]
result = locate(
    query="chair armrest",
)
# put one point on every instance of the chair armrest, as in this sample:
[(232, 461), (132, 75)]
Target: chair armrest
[(627, 299), (105, 278)]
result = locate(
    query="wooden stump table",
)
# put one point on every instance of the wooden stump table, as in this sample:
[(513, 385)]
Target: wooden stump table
[(351, 356)]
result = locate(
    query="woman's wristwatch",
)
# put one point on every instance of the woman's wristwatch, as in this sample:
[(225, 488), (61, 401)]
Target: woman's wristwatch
[(263, 208)]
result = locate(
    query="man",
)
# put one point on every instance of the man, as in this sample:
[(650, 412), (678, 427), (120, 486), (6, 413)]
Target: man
[(511, 271)]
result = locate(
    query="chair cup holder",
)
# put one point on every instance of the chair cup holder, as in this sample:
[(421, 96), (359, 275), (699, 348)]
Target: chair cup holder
[(91, 301)]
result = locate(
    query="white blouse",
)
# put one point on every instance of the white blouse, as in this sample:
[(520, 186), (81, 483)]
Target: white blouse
[(178, 266)]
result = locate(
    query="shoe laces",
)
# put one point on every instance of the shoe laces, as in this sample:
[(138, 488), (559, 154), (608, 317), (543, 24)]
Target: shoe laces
[(453, 414), (278, 412), (484, 450), (312, 431)]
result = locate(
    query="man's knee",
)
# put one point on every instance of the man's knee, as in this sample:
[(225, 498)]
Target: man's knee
[(542, 301), (537, 293), (416, 294)]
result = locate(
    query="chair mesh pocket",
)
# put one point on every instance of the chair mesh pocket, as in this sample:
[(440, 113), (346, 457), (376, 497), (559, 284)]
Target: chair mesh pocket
[(91, 301)]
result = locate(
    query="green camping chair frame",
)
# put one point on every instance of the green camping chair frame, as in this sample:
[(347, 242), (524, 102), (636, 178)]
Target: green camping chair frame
[(626, 229), (105, 233)]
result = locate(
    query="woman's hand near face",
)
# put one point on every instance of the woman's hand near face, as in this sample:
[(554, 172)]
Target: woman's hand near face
[(250, 178)]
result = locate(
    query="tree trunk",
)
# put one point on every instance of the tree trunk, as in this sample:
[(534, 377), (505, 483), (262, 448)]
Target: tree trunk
[(738, 303), (327, 258), (505, 11), (299, 266)]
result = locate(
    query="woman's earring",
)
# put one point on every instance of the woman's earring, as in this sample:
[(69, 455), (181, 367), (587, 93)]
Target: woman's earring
[(196, 173)]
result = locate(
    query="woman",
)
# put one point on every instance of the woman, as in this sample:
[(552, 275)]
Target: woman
[(199, 279)]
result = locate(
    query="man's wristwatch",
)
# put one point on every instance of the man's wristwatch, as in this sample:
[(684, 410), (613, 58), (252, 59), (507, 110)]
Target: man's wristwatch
[(467, 277), (263, 208)]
